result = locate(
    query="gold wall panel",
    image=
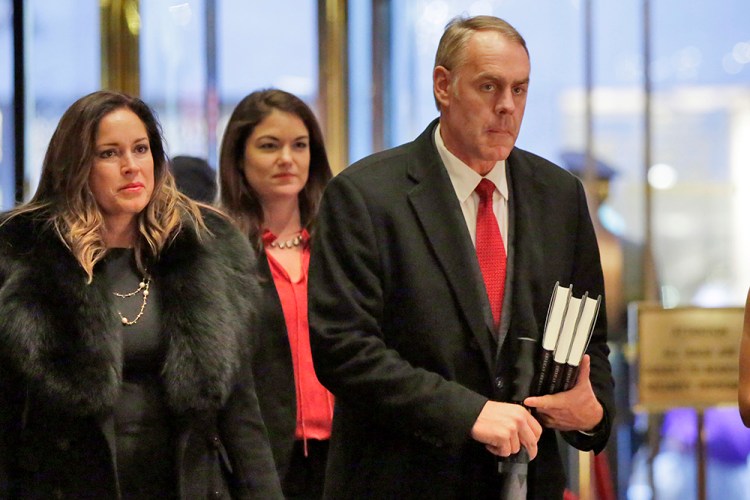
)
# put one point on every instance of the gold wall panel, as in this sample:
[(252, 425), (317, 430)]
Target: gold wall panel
[(120, 31), (333, 80)]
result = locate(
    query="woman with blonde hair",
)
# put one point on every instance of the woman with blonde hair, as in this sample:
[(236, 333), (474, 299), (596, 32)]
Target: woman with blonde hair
[(125, 312)]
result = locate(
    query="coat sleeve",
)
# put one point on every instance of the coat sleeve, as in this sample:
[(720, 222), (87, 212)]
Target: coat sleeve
[(12, 398), (241, 427), (246, 440), (354, 357), (4, 427), (587, 275), (6, 415)]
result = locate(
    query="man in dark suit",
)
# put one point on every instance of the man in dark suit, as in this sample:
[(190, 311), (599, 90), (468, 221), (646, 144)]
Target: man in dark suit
[(412, 330)]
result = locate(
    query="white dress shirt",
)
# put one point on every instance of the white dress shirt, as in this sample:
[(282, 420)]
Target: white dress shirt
[(465, 181)]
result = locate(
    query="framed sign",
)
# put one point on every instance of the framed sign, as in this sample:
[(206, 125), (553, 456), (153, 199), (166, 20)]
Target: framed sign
[(687, 356)]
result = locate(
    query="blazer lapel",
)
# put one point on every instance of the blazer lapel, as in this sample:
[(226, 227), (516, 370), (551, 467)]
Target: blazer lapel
[(437, 208), (528, 198)]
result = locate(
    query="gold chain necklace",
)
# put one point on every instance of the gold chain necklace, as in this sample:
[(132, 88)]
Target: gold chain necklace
[(143, 287)]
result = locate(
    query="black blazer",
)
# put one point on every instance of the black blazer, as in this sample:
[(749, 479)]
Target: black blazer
[(274, 372), (399, 321)]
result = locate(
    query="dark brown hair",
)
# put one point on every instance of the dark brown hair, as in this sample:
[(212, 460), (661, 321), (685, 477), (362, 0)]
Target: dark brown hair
[(238, 198)]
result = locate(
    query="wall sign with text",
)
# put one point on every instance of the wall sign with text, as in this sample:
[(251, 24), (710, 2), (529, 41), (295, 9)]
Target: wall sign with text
[(688, 356)]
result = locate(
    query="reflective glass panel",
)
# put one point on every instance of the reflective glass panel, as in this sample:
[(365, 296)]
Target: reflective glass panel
[(7, 166), (62, 64), (700, 175), (266, 44), (173, 72)]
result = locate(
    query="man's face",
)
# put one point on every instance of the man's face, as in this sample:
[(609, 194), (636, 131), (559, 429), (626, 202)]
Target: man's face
[(483, 100)]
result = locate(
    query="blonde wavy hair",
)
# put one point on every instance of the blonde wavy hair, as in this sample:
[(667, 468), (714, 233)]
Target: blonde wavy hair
[(64, 199)]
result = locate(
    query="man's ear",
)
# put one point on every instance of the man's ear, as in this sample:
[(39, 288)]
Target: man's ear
[(441, 83)]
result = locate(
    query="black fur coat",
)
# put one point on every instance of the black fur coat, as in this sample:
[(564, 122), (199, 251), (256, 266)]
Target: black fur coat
[(61, 367)]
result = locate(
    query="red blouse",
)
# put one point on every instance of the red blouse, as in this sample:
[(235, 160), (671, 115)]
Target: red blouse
[(314, 402)]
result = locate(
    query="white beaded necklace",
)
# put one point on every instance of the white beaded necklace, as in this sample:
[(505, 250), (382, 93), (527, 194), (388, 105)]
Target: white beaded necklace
[(294, 242), (143, 287)]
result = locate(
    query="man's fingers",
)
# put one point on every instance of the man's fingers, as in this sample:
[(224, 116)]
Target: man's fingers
[(530, 436), (515, 444), (506, 428), (585, 369), (500, 451)]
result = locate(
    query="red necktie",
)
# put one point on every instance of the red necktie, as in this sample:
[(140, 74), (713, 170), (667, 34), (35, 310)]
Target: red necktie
[(490, 249)]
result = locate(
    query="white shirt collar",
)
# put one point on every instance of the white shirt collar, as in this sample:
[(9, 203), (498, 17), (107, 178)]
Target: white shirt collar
[(464, 179)]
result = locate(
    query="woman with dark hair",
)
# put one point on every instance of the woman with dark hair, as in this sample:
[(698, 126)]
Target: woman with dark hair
[(125, 312), (273, 169)]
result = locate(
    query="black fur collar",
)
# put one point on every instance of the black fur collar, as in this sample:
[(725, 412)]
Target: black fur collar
[(61, 335)]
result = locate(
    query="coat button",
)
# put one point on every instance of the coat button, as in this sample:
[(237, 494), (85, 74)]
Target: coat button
[(499, 383), (216, 441)]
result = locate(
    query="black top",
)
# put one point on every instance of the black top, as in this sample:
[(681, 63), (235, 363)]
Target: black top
[(144, 437)]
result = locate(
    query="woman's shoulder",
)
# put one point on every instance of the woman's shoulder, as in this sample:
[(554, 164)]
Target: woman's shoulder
[(218, 222), (217, 257), (219, 239), (21, 231), (13, 223), (223, 232), (28, 242)]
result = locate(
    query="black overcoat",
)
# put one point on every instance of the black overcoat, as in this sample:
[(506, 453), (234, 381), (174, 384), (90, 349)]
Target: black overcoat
[(61, 366), (401, 331), (274, 371)]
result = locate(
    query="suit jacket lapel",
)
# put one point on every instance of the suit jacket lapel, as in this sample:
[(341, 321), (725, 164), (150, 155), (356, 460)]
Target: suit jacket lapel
[(437, 208), (528, 198)]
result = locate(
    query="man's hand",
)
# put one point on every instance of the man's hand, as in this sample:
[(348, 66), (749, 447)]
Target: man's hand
[(505, 427), (574, 410)]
